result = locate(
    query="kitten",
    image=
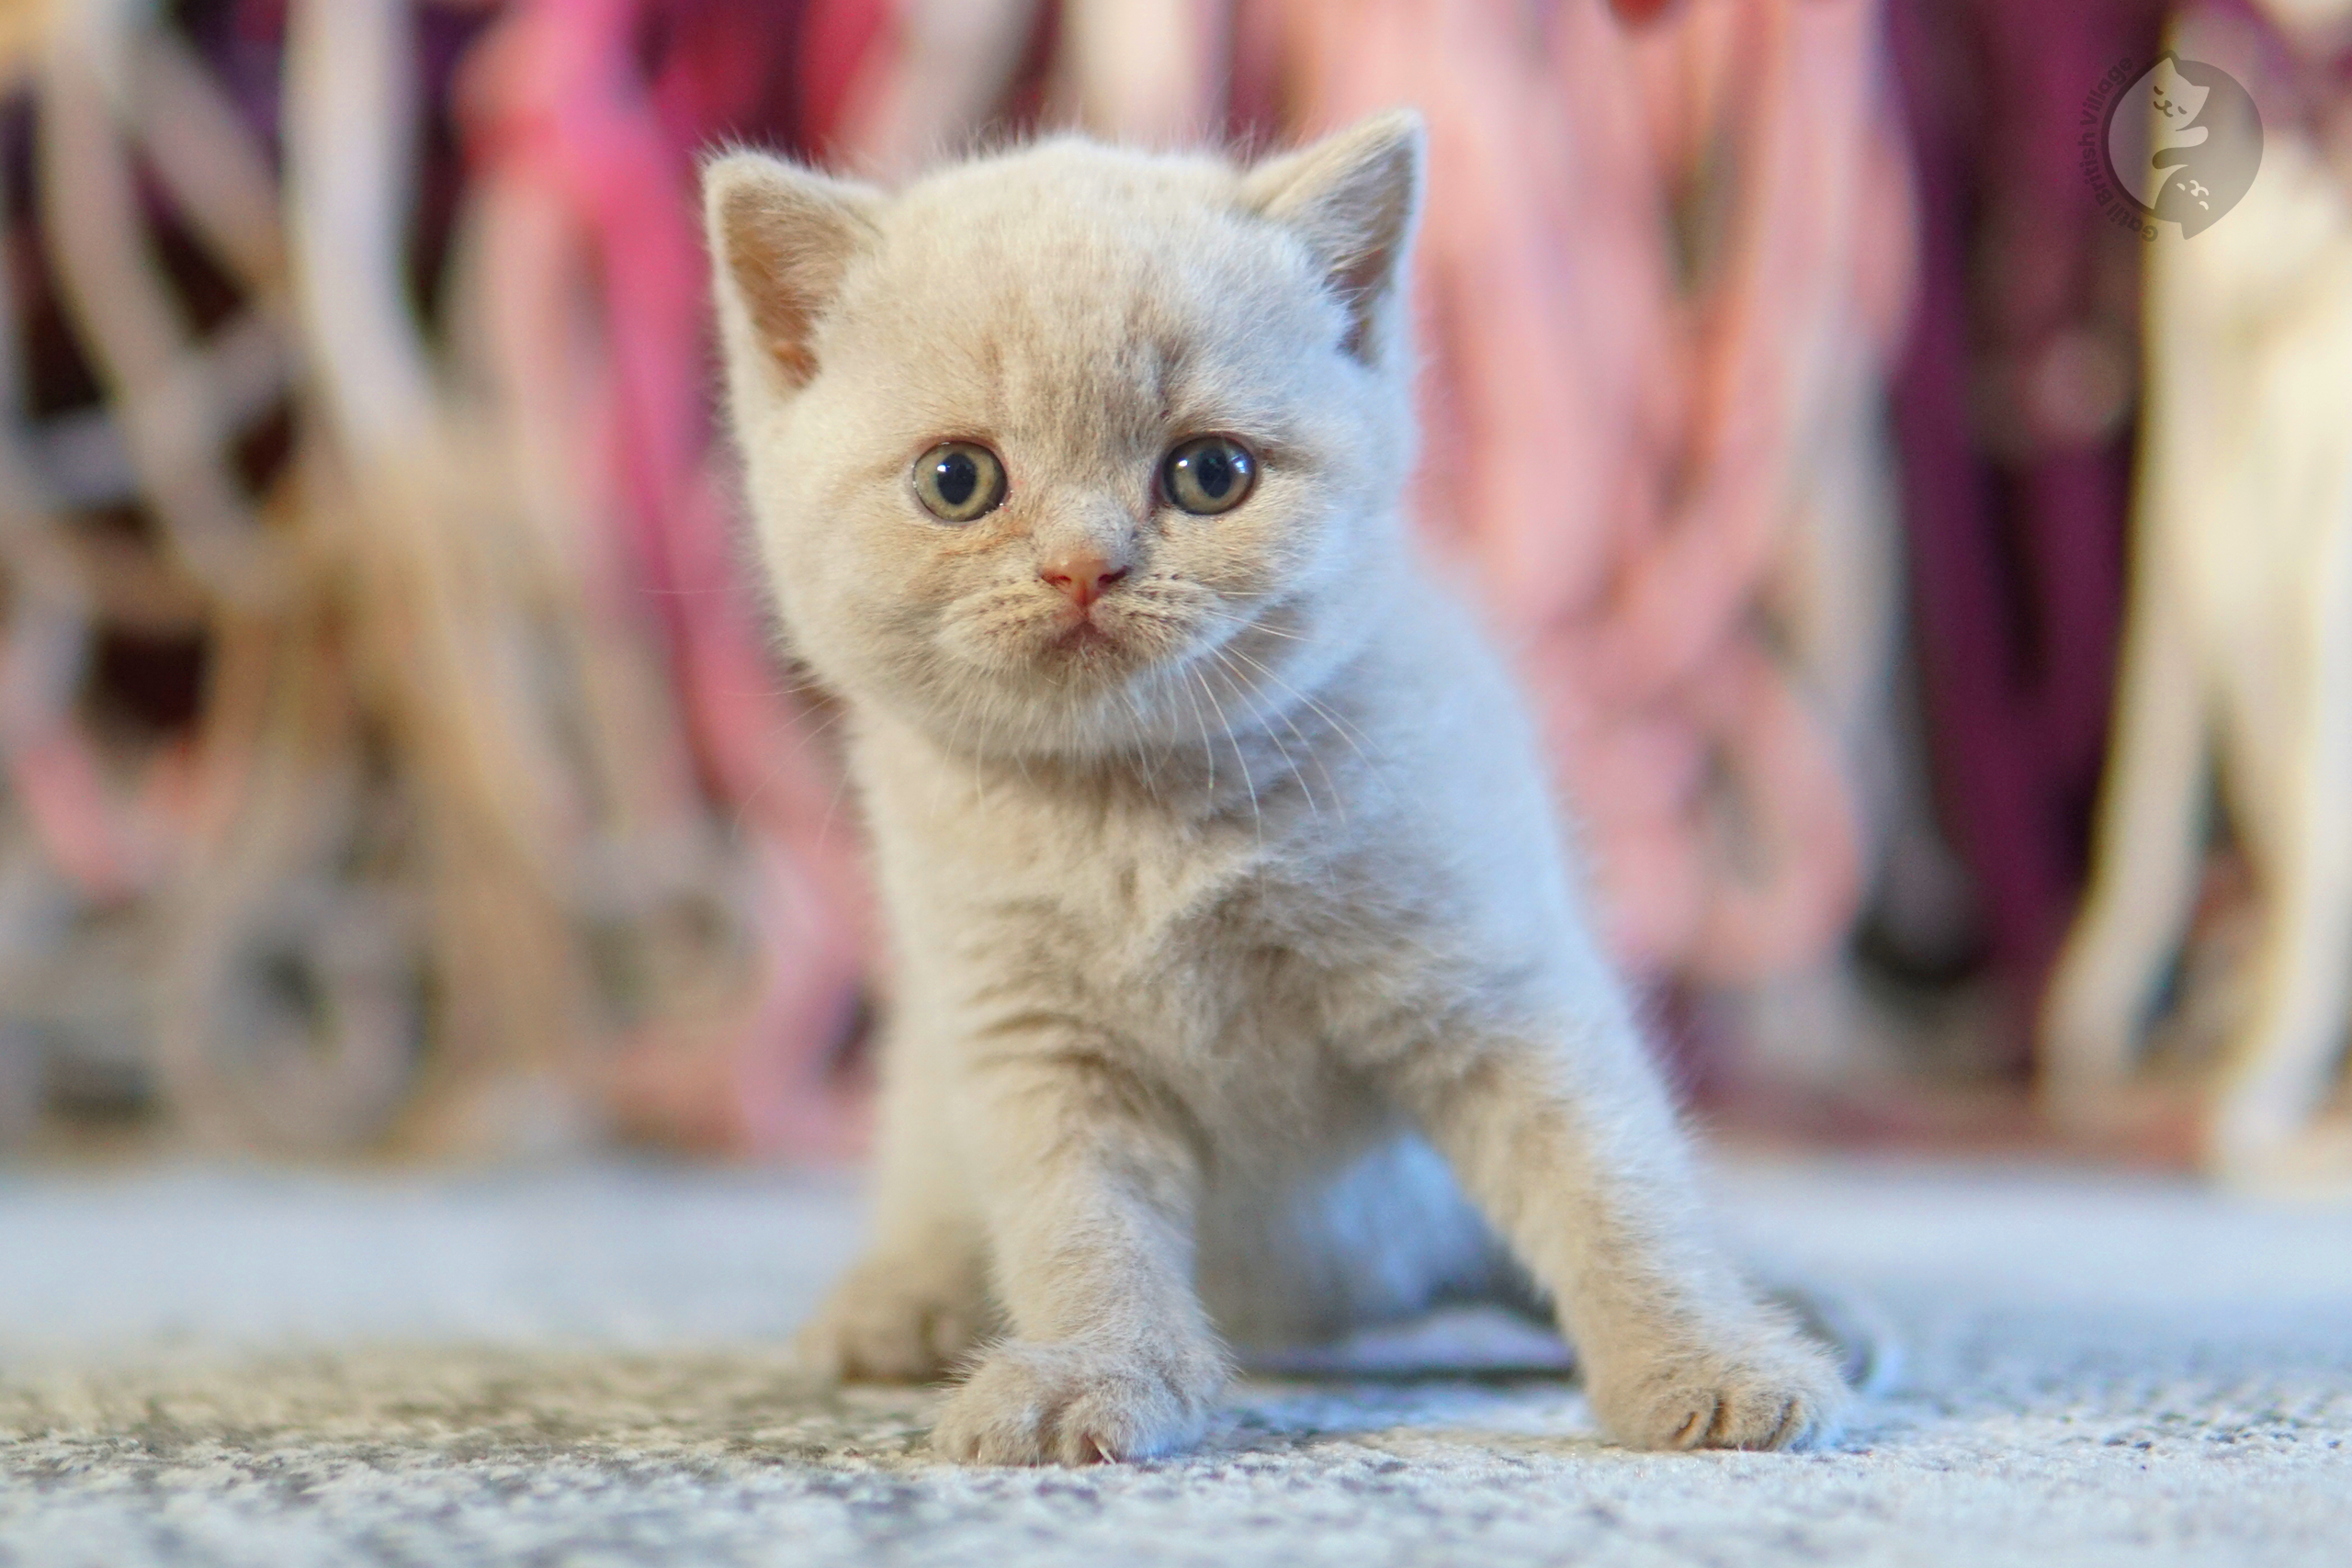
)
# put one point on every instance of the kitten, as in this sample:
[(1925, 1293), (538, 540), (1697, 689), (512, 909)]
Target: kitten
[(1242, 995)]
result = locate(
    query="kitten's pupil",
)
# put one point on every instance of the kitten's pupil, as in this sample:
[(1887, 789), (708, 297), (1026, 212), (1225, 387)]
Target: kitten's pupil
[(1213, 471), (955, 477)]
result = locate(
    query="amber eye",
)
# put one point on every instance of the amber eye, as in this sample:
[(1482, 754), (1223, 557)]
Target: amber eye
[(957, 481), (1209, 474)]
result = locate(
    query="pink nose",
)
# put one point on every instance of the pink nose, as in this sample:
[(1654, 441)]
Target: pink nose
[(1084, 576)]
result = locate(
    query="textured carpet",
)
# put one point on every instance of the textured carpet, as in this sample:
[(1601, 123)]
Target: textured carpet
[(580, 1366)]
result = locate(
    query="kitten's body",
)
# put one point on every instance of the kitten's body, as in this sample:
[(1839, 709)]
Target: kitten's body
[(1213, 896), (1262, 944)]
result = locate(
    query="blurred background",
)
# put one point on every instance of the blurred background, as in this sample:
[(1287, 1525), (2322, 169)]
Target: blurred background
[(1929, 567)]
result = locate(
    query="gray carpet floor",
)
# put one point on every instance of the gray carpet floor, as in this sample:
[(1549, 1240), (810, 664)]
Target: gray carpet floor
[(583, 1366)]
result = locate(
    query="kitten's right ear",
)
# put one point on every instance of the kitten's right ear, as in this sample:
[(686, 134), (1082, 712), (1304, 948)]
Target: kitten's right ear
[(780, 238)]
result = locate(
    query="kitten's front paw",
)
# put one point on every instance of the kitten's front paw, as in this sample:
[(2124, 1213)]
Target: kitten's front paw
[(1074, 1404), (1775, 1391), (896, 1320)]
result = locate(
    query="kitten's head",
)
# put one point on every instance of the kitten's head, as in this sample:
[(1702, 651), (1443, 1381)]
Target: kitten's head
[(1072, 446)]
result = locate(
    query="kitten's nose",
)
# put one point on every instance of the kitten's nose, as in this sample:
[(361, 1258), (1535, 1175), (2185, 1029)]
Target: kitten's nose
[(1083, 575)]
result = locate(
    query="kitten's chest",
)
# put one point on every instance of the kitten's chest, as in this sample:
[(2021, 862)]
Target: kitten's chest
[(1214, 951), (1170, 913)]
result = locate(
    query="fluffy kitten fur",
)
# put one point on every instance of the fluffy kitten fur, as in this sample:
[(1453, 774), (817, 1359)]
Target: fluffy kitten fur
[(1222, 908)]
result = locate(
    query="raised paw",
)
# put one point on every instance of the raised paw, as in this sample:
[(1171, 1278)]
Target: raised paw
[(1068, 1404), (1774, 1391), (896, 1320)]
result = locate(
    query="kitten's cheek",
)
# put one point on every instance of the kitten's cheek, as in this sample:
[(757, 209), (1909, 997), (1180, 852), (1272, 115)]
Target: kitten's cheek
[(986, 650)]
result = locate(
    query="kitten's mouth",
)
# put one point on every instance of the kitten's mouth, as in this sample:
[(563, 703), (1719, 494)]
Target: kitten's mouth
[(1075, 648), (1086, 648), (1083, 633)]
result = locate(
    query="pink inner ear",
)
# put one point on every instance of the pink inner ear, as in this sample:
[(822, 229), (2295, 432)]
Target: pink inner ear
[(1369, 218), (762, 254), (1351, 197)]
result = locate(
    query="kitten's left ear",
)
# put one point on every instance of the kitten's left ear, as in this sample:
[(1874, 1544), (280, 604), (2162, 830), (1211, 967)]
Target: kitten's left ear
[(1356, 197), (781, 239)]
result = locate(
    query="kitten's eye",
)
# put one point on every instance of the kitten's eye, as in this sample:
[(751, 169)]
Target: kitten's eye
[(957, 481), (1209, 474)]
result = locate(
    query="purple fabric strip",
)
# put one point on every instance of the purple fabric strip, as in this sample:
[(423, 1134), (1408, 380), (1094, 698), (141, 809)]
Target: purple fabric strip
[(2015, 511)]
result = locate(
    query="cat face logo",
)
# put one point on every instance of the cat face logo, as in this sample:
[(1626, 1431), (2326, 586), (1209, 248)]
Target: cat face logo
[(2182, 144)]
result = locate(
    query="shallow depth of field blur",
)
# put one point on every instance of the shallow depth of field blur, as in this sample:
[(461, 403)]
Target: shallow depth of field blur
[(1924, 565)]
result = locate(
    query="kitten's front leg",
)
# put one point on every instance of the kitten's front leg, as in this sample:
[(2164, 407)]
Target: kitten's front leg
[(1575, 1157), (1092, 1186)]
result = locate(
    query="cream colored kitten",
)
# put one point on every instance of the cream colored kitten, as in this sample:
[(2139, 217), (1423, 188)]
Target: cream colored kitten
[(1242, 995)]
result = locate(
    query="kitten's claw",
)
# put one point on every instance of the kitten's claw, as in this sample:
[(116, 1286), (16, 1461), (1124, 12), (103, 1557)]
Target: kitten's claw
[(1778, 1391), (1073, 1405), (894, 1320)]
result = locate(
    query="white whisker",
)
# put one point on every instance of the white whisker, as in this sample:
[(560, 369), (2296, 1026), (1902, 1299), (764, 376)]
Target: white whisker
[(1208, 748), (1339, 801), (1346, 731), (1248, 783)]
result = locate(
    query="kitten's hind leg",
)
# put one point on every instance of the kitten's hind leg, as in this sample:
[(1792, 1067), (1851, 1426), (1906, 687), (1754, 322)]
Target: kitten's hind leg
[(910, 1312), (914, 1308)]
